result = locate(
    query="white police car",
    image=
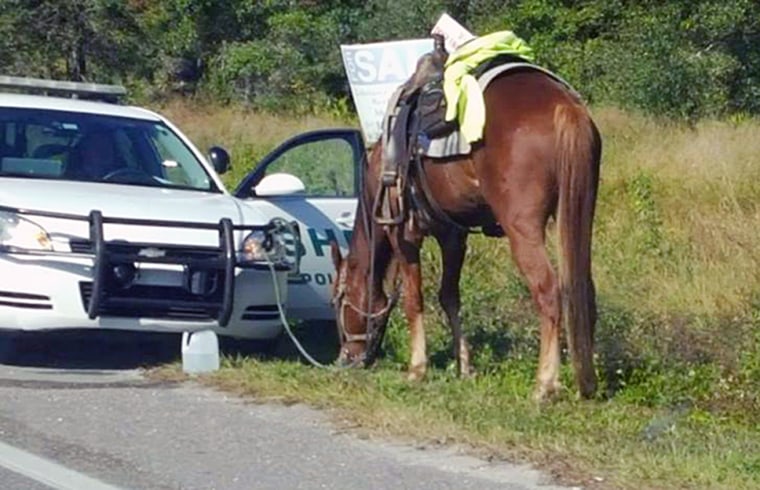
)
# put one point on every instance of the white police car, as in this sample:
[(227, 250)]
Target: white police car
[(111, 218)]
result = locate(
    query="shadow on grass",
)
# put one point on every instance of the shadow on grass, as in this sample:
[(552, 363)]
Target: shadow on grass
[(319, 340), (496, 339)]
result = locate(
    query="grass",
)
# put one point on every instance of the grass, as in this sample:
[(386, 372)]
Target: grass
[(692, 195), (678, 338)]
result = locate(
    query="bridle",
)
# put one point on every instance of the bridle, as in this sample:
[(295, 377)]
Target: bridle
[(341, 302)]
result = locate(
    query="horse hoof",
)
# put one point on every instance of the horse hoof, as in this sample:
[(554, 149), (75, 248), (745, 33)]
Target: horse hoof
[(587, 389), (546, 393), (467, 373), (541, 396), (416, 374), (346, 363)]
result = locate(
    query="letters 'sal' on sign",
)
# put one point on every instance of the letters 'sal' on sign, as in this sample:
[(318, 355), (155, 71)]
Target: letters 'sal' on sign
[(374, 72)]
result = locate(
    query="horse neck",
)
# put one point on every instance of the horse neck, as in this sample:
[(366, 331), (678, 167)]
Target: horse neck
[(370, 250)]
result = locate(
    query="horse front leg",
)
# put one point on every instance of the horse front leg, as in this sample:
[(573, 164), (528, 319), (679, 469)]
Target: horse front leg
[(413, 306), (453, 249), (408, 253)]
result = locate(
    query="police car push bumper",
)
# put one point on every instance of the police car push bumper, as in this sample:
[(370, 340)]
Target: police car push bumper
[(209, 273)]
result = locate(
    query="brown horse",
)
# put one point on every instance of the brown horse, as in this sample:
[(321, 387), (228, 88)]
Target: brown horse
[(539, 158)]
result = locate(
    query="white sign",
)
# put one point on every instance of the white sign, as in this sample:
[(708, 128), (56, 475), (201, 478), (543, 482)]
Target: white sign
[(374, 72), (454, 34)]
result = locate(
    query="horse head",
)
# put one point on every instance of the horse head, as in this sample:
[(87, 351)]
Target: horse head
[(361, 323)]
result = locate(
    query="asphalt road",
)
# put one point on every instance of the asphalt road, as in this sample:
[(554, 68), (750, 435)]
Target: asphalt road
[(75, 413)]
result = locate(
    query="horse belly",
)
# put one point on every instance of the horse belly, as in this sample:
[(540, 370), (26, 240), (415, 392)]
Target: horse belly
[(457, 190)]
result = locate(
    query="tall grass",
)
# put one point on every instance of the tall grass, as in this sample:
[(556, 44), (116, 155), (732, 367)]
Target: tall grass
[(675, 250), (678, 215)]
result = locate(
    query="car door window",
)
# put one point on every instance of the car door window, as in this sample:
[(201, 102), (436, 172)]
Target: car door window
[(326, 167), (329, 163)]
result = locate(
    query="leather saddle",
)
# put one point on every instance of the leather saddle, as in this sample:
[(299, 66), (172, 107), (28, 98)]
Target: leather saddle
[(420, 110)]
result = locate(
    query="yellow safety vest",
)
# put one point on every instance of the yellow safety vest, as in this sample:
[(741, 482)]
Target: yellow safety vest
[(464, 99)]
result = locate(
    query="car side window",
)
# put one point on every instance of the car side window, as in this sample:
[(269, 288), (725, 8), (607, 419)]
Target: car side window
[(45, 142), (326, 167), (34, 149)]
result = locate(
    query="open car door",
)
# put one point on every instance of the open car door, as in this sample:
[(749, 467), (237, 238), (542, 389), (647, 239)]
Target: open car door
[(313, 178)]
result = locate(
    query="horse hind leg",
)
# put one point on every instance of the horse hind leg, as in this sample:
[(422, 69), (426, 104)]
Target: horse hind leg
[(527, 242), (453, 248)]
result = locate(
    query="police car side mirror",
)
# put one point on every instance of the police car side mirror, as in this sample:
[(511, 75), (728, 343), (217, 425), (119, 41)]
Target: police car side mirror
[(219, 158), (279, 184)]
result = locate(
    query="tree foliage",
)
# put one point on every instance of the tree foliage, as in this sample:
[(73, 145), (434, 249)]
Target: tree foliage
[(678, 58), (77, 39)]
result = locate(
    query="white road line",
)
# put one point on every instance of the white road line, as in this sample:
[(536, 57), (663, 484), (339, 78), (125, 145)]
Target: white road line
[(47, 472)]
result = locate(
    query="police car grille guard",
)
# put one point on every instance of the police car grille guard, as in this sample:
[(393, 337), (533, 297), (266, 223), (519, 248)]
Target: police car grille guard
[(223, 260), (103, 260)]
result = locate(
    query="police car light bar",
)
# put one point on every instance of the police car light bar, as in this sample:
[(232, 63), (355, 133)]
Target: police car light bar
[(59, 87)]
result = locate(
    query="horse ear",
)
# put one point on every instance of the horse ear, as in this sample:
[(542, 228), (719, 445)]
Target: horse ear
[(336, 257)]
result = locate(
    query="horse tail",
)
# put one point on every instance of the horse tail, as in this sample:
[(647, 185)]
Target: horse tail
[(579, 151)]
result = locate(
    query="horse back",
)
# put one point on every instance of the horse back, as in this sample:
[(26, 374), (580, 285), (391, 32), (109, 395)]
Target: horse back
[(518, 150)]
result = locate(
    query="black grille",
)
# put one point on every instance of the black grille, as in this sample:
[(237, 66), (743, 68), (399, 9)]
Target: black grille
[(173, 251), (161, 302), (25, 300), (261, 312), (81, 246), (13, 294)]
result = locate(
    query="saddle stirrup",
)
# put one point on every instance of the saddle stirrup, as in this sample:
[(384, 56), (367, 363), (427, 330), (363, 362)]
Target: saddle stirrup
[(382, 212)]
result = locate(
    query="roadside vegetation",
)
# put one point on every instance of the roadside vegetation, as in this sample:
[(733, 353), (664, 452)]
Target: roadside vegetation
[(678, 338)]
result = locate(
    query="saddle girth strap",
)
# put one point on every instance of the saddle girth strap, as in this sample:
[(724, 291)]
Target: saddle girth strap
[(424, 202)]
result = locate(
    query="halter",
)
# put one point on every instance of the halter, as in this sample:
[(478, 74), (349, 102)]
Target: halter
[(341, 301)]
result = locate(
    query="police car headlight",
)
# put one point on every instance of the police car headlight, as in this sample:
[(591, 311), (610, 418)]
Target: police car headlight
[(262, 246), (19, 232)]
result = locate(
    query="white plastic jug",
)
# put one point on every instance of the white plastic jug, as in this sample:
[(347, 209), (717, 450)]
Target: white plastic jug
[(200, 352)]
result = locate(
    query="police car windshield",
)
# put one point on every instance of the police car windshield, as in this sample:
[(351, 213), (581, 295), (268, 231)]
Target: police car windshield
[(76, 146)]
